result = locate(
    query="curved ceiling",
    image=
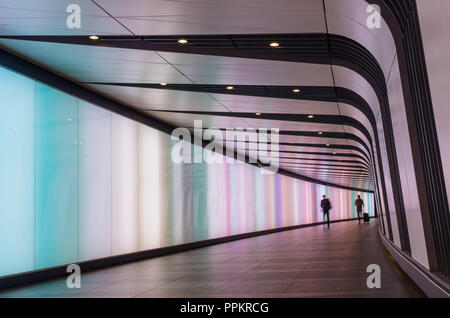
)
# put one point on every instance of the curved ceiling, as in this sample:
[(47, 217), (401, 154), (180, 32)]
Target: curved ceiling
[(323, 52)]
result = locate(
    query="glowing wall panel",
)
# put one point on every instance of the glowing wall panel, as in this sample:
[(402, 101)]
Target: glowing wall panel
[(166, 169), (199, 188), (124, 192), (259, 202), (79, 183), (94, 184), (217, 200), (16, 173), (56, 171), (149, 188)]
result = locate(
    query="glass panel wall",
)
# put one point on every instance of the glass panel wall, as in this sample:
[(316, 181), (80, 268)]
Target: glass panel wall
[(78, 182)]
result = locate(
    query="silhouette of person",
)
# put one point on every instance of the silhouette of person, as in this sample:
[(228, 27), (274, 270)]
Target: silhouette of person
[(325, 204), (359, 203)]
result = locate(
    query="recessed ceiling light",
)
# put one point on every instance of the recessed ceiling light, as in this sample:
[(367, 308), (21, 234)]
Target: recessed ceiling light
[(163, 84), (230, 87), (182, 41), (277, 130), (69, 119), (258, 114), (274, 44), (296, 90), (328, 145), (320, 133), (310, 116), (334, 153), (94, 37)]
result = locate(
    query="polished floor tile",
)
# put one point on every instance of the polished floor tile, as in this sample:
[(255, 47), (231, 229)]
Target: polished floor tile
[(308, 262)]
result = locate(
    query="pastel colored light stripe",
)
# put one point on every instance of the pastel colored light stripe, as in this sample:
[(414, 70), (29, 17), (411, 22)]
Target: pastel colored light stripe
[(56, 173), (149, 188), (124, 185), (94, 182)]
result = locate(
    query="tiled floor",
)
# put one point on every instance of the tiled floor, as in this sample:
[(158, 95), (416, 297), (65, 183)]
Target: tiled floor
[(309, 262)]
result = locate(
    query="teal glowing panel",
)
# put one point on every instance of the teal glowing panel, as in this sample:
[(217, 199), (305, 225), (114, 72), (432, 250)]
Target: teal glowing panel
[(16, 173), (56, 184), (199, 185)]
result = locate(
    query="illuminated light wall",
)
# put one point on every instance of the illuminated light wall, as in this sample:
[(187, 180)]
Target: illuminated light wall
[(56, 177), (94, 181), (16, 173), (78, 182)]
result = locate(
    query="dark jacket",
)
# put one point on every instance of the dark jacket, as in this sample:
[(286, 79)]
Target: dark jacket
[(359, 204), (325, 205)]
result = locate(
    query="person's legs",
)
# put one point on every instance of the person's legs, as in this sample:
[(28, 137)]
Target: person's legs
[(328, 218), (358, 211)]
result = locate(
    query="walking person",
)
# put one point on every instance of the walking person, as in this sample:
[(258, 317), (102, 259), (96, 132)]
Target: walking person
[(359, 203), (325, 204)]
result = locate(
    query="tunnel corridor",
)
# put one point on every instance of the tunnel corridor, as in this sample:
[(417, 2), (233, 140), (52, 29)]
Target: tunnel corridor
[(195, 148)]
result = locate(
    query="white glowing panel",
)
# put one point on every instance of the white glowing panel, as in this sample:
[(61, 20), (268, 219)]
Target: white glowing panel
[(124, 185), (94, 183), (149, 188)]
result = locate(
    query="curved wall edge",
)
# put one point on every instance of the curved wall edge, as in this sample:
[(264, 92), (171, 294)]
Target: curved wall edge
[(429, 283)]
